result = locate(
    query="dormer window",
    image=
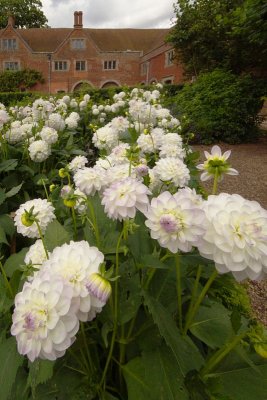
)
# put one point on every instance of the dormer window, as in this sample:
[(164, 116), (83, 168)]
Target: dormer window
[(111, 64), (9, 44), (78, 44)]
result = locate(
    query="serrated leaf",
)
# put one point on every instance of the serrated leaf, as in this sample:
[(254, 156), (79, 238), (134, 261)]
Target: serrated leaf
[(14, 190), (40, 371), (185, 352), (55, 235), (14, 262), (212, 325), (8, 165), (10, 362), (3, 236), (7, 224), (155, 375), (245, 383)]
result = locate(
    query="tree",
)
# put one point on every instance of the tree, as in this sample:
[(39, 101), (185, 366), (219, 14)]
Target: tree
[(27, 13), (219, 33)]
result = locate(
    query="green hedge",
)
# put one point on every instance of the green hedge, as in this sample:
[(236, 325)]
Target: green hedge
[(13, 98), (221, 106)]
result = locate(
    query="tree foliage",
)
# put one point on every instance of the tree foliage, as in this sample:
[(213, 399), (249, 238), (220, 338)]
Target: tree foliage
[(27, 13), (227, 33), (12, 81)]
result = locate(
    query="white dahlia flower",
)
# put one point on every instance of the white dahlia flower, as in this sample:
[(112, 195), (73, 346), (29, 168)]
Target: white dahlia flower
[(216, 161), (36, 254), (119, 172), (78, 162), (56, 121), (44, 322), (123, 198), (172, 171), (175, 221), (90, 180), (49, 135), (236, 236), (41, 209), (105, 138), (75, 263), (39, 150)]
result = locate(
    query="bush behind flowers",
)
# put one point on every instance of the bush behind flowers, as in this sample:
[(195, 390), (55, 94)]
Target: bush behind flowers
[(119, 279)]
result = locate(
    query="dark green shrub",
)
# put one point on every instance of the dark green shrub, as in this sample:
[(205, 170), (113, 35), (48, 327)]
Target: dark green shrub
[(221, 106), (13, 98), (13, 81)]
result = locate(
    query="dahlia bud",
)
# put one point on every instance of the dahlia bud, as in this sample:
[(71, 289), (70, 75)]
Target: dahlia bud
[(99, 287), (71, 202), (26, 219), (52, 187), (62, 173)]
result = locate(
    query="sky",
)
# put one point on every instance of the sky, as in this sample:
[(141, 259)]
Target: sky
[(110, 13)]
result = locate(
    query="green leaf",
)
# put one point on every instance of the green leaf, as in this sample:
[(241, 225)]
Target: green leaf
[(8, 165), (55, 235), (2, 196), (14, 190), (185, 352), (212, 325), (3, 236), (245, 383), (155, 375), (40, 371), (153, 262), (10, 362), (129, 292), (14, 262), (7, 224)]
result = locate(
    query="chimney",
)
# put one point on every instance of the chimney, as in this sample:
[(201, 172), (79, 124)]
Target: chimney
[(78, 19), (11, 21)]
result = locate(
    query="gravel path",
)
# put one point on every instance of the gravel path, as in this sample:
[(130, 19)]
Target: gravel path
[(251, 162)]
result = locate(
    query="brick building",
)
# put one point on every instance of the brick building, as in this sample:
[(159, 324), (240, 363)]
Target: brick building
[(69, 57)]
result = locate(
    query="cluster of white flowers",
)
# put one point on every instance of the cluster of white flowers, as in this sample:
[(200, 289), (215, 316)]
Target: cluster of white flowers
[(63, 292)]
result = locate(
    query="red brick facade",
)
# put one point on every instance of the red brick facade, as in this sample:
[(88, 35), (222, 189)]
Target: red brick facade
[(69, 57)]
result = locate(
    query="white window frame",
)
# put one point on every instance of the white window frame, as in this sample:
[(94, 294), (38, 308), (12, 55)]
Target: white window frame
[(81, 46), (144, 68), (9, 44), (56, 65), (166, 79), (10, 63), (110, 65), (169, 57), (81, 61)]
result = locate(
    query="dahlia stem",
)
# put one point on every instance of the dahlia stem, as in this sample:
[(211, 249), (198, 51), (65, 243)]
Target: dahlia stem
[(221, 354), (74, 222), (194, 292), (41, 237), (215, 182), (115, 318), (195, 307), (46, 193), (6, 280), (94, 221), (179, 290)]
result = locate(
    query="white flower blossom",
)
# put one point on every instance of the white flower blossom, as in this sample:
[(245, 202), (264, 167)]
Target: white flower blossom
[(44, 322), (78, 162), (39, 150), (236, 236), (36, 254), (44, 212), (49, 135), (90, 180), (123, 198), (172, 171), (175, 221)]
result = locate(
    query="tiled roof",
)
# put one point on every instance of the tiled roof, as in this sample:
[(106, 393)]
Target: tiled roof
[(48, 39)]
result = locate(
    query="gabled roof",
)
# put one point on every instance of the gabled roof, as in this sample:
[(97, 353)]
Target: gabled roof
[(49, 39)]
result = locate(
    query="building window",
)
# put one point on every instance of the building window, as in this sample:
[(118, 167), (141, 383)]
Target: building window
[(11, 66), (9, 44), (61, 65), (168, 80), (144, 68), (112, 64), (78, 44), (169, 57), (80, 65)]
